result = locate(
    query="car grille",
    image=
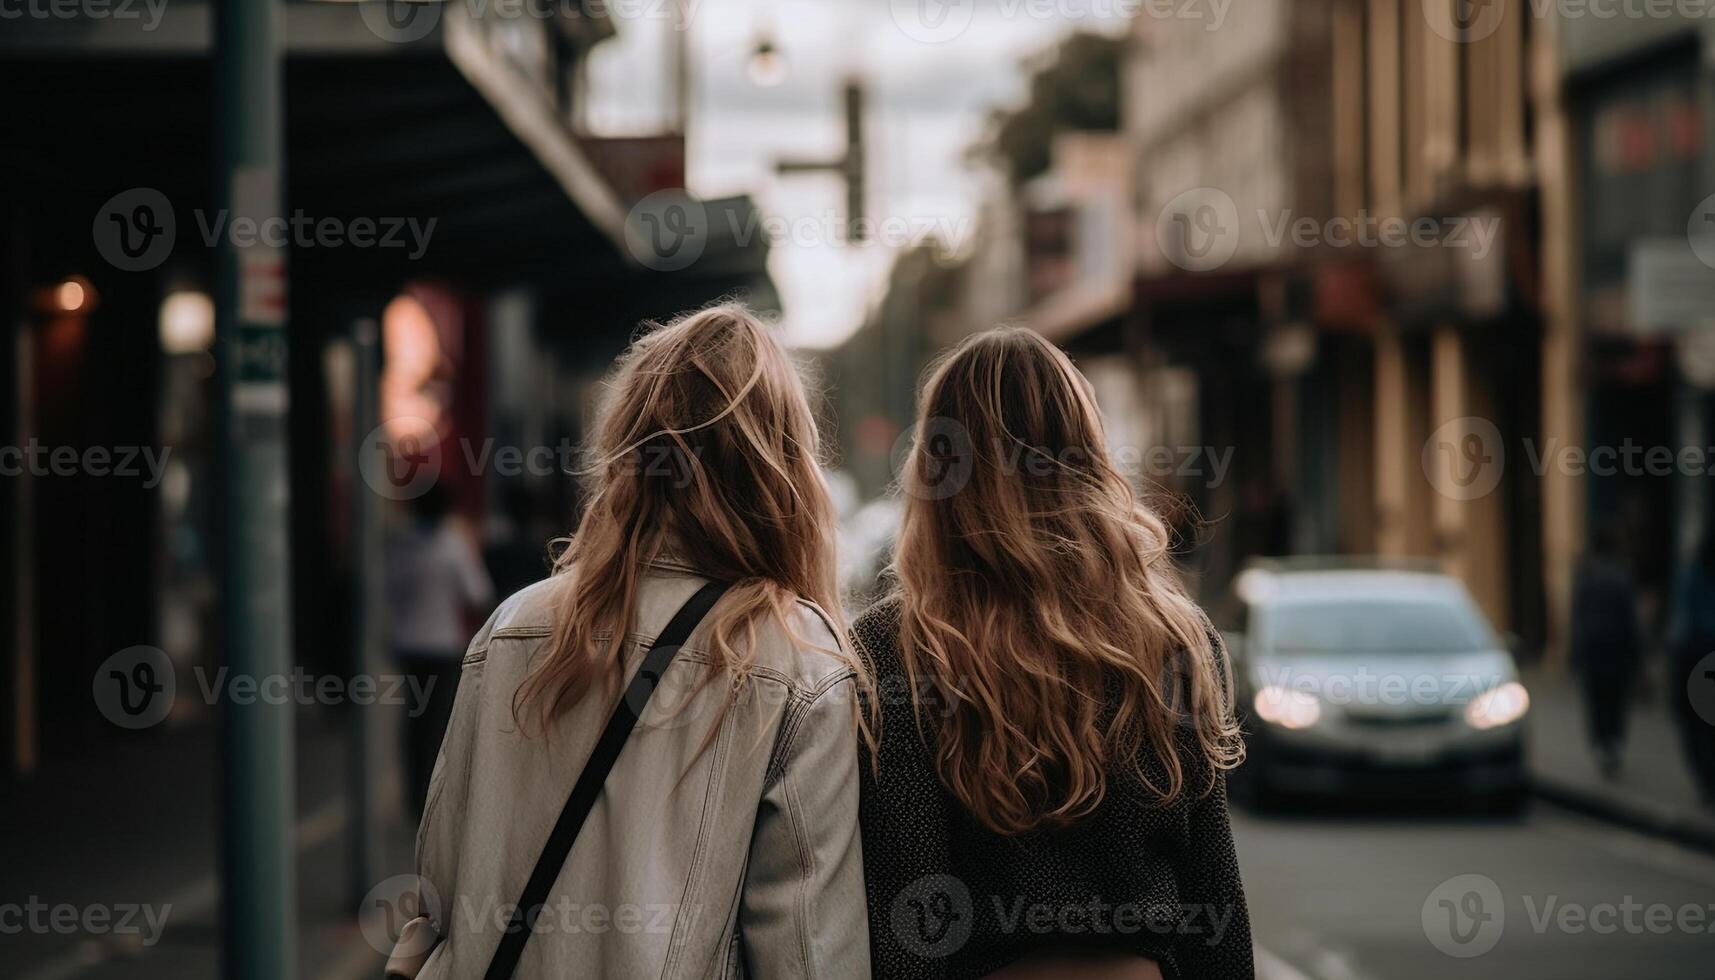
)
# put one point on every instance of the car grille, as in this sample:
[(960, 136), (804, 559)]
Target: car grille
[(1392, 720)]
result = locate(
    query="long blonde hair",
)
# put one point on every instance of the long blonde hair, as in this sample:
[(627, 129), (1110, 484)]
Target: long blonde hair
[(1039, 603), (706, 448)]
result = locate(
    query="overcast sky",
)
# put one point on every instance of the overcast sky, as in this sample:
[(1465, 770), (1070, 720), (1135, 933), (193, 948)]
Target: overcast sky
[(935, 68)]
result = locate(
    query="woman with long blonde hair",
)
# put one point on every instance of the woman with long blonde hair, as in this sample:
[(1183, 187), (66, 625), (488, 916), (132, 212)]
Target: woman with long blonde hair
[(723, 842), (1048, 794)]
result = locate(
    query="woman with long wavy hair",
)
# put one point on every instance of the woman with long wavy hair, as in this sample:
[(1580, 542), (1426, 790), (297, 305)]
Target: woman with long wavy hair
[(723, 842), (1048, 794)]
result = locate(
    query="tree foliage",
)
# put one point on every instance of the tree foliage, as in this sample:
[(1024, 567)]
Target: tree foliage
[(1075, 87)]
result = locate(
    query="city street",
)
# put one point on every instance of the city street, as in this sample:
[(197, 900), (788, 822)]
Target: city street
[(1376, 336), (1343, 896)]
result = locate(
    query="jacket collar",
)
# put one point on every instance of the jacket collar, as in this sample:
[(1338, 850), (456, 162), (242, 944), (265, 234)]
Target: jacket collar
[(671, 557)]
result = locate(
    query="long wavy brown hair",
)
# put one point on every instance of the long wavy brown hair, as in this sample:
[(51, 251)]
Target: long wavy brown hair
[(1039, 602), (706, 450)]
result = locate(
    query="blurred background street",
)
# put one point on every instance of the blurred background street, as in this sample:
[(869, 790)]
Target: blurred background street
[(1403, 310)]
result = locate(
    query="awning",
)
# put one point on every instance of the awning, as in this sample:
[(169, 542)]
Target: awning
[(445, 129), (1072, 312)]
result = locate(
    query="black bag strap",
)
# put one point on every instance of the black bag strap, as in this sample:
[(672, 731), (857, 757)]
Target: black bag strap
[(589, 784)]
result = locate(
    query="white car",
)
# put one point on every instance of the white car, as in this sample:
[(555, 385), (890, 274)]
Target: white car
[(1373, 682)]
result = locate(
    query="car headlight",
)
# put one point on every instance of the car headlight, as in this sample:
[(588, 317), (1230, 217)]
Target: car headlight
[(1498, 706), (1287, 708)]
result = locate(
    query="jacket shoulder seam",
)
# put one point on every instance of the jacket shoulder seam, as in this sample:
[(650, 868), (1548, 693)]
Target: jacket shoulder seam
[(802, 701), (506, 631), (822, 614)]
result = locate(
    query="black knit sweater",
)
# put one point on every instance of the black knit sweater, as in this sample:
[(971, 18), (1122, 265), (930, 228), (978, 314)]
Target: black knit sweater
[(950, 900)]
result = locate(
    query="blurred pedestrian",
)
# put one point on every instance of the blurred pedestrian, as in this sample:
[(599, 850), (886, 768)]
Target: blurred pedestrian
[(1607, 645), (1055, 726), (1690, 639), (435, 580), (726, 819)]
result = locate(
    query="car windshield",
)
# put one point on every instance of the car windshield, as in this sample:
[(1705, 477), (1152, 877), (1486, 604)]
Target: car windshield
[(1387, 625)]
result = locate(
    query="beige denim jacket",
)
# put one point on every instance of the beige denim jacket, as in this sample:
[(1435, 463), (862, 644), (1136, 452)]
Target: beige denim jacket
[(714, 852)]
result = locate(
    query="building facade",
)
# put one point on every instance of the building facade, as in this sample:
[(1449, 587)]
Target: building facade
[(1436, 137), (1637, 100), (443, 200), (1229, 131)]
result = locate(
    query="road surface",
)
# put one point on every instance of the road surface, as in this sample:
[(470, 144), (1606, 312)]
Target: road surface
[(1401, 897)]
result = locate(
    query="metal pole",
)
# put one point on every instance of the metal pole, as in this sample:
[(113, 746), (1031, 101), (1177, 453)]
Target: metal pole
[(367, 544), (25, 750), (1692, 496), (855, 167), (17, 498), (259, 877), (852, 167), (681, 43)]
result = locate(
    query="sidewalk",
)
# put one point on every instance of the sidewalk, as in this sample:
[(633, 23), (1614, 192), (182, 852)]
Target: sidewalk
[(139, 828), (1653, 791)]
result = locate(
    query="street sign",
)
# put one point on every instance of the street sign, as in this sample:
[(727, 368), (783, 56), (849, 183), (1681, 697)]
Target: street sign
[(1669, 286)]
